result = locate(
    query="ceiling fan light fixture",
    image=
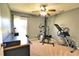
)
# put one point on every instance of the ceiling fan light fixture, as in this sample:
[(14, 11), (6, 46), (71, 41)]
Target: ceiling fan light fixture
[(42, 9), (43, 13)]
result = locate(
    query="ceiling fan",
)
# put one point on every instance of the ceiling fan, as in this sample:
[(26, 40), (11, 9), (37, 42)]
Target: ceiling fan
[(44, 11)]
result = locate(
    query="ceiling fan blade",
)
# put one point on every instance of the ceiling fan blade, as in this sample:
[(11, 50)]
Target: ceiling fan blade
[(36, 11), (52, 10)]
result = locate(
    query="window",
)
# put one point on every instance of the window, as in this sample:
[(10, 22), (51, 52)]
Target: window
[(20, 23)]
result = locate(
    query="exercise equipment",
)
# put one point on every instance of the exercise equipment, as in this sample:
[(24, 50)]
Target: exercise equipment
[(44, 33), (64, 33)]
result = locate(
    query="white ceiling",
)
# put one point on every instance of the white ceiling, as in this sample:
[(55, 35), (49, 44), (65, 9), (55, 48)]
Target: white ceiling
[(29, 7)]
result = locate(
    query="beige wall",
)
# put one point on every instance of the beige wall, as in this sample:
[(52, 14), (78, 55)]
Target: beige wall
[(0, 27), (5, 24), (5, 21), (33, 26), (50, 22), (69, 19), (1, 48)]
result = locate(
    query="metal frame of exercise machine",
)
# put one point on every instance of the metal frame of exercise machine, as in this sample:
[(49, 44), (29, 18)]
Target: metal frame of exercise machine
[(70, 43), (45, 35)]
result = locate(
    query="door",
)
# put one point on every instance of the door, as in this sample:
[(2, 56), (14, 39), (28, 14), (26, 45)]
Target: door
[(1, 48)]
